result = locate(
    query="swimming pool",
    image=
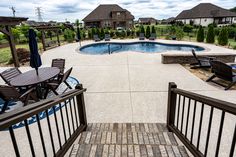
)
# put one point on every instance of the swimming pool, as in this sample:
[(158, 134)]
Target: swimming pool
[(145, 47)]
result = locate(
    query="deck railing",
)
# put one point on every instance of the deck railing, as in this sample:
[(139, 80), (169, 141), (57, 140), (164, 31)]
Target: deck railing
[(64, 118), (201, 122)]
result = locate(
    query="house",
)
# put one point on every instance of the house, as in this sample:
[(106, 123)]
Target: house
[(109, 16), (147, 21), (205, 14), (168, 21)]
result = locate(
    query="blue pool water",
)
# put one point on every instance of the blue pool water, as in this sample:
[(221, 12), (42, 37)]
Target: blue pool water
[(145, 47)]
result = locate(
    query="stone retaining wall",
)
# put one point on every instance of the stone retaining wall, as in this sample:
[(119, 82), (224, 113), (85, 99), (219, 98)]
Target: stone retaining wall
[(188, 58)]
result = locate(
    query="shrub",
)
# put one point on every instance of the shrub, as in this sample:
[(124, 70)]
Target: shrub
[(234, 47), (153, 30), (93, 32), (98, 32), (122, 34), (187, 28), (128, 32), (141, 29), (69, 35), (90, 34), (112, 34), (148, 33), (231, 32), (223, 37), (25, 30), (200, 34), (210, 34), (23, 55), (16, 34), (179, 33)]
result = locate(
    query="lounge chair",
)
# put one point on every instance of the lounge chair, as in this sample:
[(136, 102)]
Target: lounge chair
[(9, 74), (141, 36), (153, 36), (201, 62), (107, 37), (96, 38), (224, 72), (9, 93)]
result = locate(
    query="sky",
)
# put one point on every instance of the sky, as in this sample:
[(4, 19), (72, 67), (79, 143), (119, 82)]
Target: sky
[(62, 10)]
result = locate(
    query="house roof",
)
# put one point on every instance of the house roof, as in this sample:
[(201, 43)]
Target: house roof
[(146, 19), (103, 12), (205, 10)]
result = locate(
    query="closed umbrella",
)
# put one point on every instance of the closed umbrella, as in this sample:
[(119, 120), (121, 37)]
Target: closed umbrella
[(78, 35), (35, 60)]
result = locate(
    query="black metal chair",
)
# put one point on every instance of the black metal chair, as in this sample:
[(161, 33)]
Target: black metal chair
[(141, 36), (201, 62), (9, 93), (107, 37), (153, 36), (224, 72), (9, 74), (54, 84), (59, 63), (96, 38)]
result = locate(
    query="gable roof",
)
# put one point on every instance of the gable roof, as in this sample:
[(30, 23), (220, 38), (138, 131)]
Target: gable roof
[(205, 10), (103, 12), (146, 19)]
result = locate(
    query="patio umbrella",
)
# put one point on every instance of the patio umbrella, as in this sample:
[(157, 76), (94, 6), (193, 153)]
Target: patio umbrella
[(35, 60), (78, 35)]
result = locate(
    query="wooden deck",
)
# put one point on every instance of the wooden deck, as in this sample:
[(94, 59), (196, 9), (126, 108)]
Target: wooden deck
[(127, 140)]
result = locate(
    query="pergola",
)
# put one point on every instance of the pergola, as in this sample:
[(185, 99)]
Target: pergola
[(5, 27), (44, 28)]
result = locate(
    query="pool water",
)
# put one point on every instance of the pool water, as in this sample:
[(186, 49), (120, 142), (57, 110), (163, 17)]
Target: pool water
[(145, 47)]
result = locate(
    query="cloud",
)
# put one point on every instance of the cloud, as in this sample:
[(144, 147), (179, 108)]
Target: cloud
[(77, 9)]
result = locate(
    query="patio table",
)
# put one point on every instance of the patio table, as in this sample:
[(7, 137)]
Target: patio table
[(30, 78)]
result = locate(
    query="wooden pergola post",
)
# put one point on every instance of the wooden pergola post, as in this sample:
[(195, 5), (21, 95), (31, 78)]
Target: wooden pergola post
[(58, 39), (7, 23), (43, 40)]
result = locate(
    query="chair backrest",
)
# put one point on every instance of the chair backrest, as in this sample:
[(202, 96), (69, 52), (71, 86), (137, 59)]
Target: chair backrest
[(9, 74), (95, 36), (107, 35), (66, 75), (141, 34), (59, 63), (8, 93), (222, 70)]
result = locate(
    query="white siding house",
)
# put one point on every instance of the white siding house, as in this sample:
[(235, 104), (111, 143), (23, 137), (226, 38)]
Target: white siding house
[(205, 14)]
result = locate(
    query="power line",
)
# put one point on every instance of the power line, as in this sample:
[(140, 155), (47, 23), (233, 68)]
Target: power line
[(39, 14)]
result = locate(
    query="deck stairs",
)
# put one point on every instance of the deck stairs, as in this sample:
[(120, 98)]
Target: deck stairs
[(127, 140)]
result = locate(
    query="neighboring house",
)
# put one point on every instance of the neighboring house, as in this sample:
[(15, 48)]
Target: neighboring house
[(147, 21), (205, 14), (168, 21), (109, 15)]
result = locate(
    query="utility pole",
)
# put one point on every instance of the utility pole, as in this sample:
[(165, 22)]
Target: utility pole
[(13, 11), (39, 14)]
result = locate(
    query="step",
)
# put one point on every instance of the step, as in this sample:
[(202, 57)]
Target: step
[(106, 137), (103, 150), (129, 127)]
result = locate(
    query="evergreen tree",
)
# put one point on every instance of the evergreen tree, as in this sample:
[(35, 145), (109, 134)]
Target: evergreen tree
[(93, 32), (223, 37), (153, 30), (102, 34), (210, 34), (148, 33), (142, 29), (200, 34)]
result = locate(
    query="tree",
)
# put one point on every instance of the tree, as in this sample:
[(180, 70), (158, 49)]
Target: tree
[(153, 30), (179, 33), (25, 30), (148, 33), (210, 34), (102, 34), (200, 34), (233, 9), (142, 29), (187, 28), (69, 35), (16, 34), (223, 37), (93, 32)]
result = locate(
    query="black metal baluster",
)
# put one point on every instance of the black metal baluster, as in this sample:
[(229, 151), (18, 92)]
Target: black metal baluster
[(200, 126), (58, 133), (178, 111), (182, 119), (220, 133), (13, 139), (29, 137), (208, 131), (76, 118), (41, 135), (193, 121), (63, 123), (50, 133), (71, 114), (233, 143), (186, 130), (67, 116)]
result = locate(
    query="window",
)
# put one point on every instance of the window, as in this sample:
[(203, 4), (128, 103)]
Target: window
[(118, 13), (205, 20)]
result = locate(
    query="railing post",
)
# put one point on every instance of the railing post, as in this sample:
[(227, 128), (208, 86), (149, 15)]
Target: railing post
[(81, 106), (171, 105)]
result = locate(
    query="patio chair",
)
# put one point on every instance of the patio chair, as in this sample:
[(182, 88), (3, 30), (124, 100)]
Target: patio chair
[(201, 62), (153, 36), (59, 63), (9, 74), (9, 93), (141, 36), (96, 38), (224, 72), (107, 37), (54, 84)]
